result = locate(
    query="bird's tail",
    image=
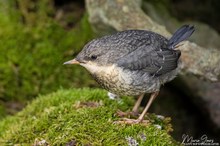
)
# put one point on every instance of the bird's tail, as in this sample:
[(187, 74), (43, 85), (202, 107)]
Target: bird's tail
[(180, 35)]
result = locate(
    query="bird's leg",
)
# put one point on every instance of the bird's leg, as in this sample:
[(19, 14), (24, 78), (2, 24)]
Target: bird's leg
[(134, 111), (137, 104), (141, 117), (152, 97)]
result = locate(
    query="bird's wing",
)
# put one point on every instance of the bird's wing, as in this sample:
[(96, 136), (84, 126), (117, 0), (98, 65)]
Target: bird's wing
[(151, 60)]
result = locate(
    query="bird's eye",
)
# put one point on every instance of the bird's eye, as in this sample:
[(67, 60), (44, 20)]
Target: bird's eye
[(93, 57)]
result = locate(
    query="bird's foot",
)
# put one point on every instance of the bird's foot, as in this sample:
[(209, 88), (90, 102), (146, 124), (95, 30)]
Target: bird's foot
[(132, 121), (125, 114)]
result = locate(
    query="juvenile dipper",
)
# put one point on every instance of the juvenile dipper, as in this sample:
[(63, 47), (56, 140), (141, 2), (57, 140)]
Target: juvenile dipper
[(133, 62)]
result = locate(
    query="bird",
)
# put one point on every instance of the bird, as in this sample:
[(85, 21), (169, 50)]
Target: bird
[(133, 63)]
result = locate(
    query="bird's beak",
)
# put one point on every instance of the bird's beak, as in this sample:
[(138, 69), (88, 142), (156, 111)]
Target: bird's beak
[(74, 61)]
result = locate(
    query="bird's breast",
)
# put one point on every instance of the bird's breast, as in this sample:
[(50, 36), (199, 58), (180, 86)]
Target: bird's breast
[(123, 82)]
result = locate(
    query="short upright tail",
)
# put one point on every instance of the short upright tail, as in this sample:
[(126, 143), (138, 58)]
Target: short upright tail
[(180, 35)]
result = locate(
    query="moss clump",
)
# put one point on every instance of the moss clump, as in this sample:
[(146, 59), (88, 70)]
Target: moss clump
[(78, 116), (32, 54)]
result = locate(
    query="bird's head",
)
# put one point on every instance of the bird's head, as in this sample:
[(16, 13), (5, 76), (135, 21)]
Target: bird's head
[(93, 56)]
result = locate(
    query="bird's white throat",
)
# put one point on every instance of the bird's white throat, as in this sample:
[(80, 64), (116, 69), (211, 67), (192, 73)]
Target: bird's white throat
[(93, 68)]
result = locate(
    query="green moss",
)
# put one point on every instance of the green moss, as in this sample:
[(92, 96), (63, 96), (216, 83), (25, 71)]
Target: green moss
[(81, 116), (2, 112), (32, 54)]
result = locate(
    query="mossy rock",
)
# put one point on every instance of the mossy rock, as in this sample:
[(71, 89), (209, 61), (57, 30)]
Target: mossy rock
[(80, 117), (32, 54), (32, 60)]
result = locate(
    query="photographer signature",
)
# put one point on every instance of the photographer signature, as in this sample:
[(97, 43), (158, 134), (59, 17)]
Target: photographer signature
[(203, 140)]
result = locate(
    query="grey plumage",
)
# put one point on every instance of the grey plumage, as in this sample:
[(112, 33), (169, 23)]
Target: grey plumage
[(133, 62), (180, 35)]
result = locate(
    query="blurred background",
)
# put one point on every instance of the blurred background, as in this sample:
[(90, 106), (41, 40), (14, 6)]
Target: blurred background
[(36, 37)]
